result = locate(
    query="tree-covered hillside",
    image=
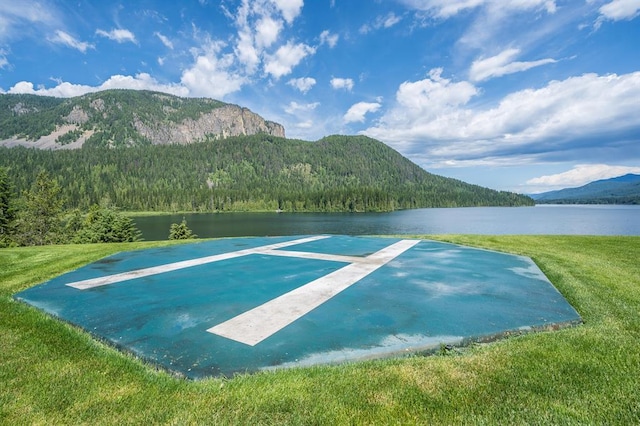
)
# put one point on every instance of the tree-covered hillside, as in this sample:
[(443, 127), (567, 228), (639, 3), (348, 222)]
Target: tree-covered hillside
[(259, 172)]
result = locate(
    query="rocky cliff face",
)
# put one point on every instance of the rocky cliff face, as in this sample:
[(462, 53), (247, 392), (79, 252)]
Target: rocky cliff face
[(222, 122), (121, 118)]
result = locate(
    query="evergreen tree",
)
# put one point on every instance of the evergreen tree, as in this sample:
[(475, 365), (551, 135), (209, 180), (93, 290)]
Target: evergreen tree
[(40, 218), (181, 231), (7, 208), (103, 225)]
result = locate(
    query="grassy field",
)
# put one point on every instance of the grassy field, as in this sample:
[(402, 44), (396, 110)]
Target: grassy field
[(53, 373)]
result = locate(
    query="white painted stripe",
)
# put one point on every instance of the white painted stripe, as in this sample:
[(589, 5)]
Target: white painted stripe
[(257, 324), (315, 256), (124, 276)]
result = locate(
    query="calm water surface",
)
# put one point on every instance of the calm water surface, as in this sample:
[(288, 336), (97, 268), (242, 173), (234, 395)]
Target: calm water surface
[(542, 219)]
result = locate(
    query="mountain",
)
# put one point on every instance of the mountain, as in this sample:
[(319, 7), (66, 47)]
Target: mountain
[(618, 190), (248, 173), (115, 118)]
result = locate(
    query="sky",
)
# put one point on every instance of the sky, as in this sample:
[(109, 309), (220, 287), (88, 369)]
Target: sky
[(517, 95)]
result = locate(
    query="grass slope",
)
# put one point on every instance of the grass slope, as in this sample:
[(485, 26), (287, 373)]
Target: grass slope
[(53, 373)]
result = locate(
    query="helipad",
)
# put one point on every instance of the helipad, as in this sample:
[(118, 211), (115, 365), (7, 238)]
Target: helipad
[(241, 305)]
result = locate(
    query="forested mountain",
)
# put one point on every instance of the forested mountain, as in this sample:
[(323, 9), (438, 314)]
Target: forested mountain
[(619, 190), (115, 118), (258, 172)]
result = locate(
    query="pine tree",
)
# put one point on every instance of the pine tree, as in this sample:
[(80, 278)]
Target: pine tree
[(7, 208), (181, 231), (40, 219), (104, 225)]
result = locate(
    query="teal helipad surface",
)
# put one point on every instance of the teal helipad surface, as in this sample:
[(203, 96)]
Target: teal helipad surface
[(246, 304)]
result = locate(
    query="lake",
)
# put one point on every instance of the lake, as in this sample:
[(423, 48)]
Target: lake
[(538, 220)]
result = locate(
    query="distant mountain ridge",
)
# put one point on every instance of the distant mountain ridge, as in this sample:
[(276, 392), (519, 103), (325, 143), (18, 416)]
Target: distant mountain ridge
[(113, 118), (618, 190)]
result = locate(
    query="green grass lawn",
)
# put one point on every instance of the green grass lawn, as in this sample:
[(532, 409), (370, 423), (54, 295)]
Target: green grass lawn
[(53, 373)]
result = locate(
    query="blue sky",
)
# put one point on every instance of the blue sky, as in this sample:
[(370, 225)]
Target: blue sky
[(522, 95)]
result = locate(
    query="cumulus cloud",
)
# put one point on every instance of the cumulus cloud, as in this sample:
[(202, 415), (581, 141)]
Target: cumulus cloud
[(618, 10), (342, 83), (267, 31), (246, 52), (579, 117), (302, 84), (290, 9), (502, 64), (142, 81), (286, 58), (260, 24), (212, 74), (68, 40), (358, 111), (580, 175), (327, 38), (118, 35)]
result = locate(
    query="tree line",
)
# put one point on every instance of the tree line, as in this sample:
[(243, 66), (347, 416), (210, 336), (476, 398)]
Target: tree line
[(37, 217), (248, 173)]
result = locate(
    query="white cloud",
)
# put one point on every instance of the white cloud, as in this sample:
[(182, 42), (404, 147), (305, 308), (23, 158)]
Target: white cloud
[(260, 24), (489, 23), (444, 9), (327, 38), (502, 64), (302, 117), (212, 74), (118, 35), (267, 31), (621, 9), (4, 62), (285, 58), (142, 81), (16, 15), (580, 175), (246, 52), (165, 40), (305, 125), (342, 83), (62, 37), (302, 84), (290, 9), (618, 10), (384, 21), (296, 108), (359, 110), (390, 20), (578, 117)]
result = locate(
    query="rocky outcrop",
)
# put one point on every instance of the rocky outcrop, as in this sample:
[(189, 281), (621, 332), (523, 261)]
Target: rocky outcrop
[(77, 116), (222, 122)]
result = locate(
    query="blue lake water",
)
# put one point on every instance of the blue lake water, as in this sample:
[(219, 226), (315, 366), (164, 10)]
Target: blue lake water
[(538, 220)]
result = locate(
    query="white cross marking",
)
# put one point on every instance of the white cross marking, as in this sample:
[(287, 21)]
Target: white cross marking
[(257, 324)]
